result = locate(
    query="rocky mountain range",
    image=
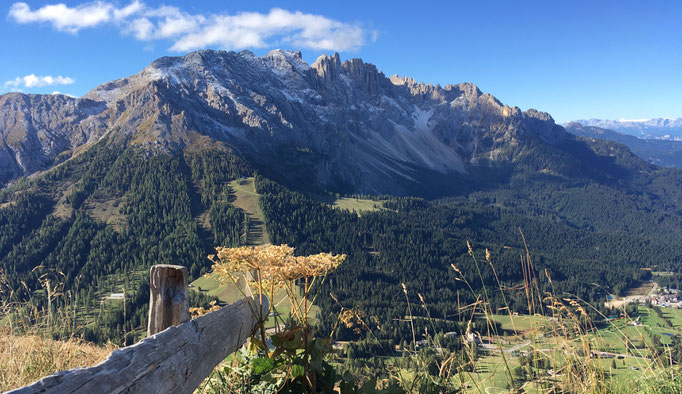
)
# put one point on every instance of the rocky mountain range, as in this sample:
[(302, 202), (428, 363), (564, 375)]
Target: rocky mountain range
[(342, 125), (658, 128)]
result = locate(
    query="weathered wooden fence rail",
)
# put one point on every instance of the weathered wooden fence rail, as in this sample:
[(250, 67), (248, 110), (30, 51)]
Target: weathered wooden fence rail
[(176, 360)]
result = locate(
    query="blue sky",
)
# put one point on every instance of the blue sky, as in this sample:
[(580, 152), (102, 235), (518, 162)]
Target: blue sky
[(573, 59)]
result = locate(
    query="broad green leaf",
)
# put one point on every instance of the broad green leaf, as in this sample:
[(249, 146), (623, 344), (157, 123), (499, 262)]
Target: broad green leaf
[(262, 365)]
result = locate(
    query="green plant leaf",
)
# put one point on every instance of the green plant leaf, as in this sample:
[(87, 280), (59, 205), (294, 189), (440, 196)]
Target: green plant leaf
[(262, 365), (297, 370)]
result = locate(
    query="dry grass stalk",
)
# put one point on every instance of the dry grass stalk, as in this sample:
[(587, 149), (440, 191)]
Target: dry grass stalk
[(25, 359)]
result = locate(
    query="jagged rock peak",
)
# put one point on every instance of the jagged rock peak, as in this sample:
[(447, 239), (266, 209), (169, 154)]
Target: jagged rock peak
[(366, 74), (466, 88), (286, 54), (286, 60), (327, 63), (544, 116), (405, 80), (327, 68)]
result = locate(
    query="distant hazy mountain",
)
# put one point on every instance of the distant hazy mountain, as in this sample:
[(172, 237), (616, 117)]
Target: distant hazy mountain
[(666, 153), (659, 128)]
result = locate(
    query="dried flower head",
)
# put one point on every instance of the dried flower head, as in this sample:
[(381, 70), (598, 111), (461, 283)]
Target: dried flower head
[(347, 318), (354, 318), (275, 263), (308, 266), (199, 311)]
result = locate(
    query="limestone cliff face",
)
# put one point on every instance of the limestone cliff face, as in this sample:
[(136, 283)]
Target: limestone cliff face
[(343, 123)]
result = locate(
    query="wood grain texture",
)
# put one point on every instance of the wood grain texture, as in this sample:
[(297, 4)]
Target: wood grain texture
[(168, 297), (175, 360)]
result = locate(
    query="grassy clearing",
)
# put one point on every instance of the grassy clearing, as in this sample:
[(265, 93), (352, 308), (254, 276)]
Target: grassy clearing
[(662, 273), (62, 209), (350, 204), (675, 317), (107, 210), (357, 205), (246, 198), (226, 293), (521, 323)]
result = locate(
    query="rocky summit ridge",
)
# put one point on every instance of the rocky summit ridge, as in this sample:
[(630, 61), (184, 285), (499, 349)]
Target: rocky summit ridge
[(344, 125)]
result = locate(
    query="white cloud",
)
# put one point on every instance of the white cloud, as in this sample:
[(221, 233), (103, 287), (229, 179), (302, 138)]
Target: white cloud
[(252, 29), (62, 17), (195, 31), (133, 8), (140, 28), (33, 81)]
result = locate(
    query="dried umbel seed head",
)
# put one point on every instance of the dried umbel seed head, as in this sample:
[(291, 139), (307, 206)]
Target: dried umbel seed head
[(309, 266), (354, 318), (275, 263), (247, 258)]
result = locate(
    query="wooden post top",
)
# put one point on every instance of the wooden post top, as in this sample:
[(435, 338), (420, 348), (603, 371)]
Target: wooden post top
[(168, 297)]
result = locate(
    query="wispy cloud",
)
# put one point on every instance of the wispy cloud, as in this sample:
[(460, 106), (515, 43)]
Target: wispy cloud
[(189, 31), (33, 81)]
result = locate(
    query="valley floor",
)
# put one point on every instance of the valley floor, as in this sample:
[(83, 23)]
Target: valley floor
[(620, 349)]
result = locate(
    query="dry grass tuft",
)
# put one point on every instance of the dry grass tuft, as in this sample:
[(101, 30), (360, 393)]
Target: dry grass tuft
[(25, 359)]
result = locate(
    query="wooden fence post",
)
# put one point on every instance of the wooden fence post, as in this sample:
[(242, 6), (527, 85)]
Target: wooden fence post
[(168, 297)]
